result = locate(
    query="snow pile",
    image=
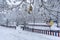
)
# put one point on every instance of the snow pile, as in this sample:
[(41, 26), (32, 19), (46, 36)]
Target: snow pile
[(54, 27)]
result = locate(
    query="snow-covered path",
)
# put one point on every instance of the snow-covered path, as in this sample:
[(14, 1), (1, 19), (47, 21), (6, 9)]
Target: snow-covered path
[(12, 34)]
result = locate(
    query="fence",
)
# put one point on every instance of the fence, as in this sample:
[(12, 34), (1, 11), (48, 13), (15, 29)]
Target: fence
[(47, 32), (8, 26)]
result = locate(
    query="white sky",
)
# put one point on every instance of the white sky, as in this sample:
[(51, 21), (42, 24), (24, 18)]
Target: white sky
[(12, 2), (45, 0)]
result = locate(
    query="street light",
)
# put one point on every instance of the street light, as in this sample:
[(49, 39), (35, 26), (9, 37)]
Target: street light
[(30, 9)]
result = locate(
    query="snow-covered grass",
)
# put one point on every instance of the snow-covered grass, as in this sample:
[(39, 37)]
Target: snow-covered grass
[(53, 27)]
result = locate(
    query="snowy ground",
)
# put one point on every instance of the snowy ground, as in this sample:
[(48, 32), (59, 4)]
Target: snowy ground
[(53, 27), (12, 34)]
